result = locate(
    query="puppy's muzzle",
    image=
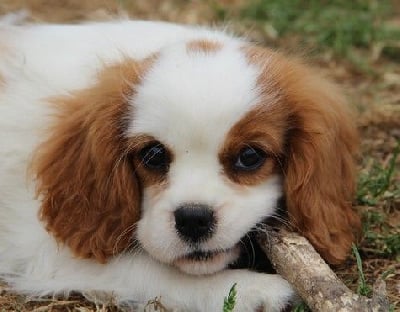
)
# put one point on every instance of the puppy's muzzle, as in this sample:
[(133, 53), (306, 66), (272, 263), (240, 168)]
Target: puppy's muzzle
[(194, 222)]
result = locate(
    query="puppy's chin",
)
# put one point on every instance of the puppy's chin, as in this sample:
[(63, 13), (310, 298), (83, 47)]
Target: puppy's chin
[(206, 262)]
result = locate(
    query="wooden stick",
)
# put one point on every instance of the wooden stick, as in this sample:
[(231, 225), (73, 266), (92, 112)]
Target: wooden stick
[(297, 261)]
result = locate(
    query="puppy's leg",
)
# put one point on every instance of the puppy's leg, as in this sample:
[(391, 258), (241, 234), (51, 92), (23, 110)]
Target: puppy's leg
[(175, 290), (138, 279)]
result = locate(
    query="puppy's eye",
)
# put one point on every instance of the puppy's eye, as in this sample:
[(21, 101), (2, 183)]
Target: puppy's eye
[(250, 158), (155, 156)]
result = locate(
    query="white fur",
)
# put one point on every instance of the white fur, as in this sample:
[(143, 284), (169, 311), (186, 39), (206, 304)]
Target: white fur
[(38, 62), (195, 128)]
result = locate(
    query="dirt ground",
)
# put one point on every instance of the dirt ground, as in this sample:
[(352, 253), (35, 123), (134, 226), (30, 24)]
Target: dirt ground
[(376, 97)]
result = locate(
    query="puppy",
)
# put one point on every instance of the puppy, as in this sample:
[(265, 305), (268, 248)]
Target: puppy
[(135, 157)]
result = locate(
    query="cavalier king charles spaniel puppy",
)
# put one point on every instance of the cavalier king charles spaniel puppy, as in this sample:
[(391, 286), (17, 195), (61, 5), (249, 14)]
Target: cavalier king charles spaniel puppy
[(135, 158)]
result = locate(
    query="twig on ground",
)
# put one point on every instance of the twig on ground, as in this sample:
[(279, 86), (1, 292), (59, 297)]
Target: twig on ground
[(296, 260)]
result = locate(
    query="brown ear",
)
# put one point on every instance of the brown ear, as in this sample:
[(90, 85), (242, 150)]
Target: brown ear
[(321, 143), (320, 169), (89, 192)]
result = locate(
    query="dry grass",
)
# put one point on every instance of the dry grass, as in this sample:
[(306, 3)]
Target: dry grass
[(376, 95)]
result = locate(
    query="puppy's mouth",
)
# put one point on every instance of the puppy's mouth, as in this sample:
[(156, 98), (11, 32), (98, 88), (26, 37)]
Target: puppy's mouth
[(201, 262), (200, 255)]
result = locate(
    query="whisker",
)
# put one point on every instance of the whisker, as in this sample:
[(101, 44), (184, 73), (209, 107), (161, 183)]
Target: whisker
[(253, 252), (125, 232)]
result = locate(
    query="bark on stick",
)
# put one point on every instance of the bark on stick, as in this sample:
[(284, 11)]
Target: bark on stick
[(297, 261)]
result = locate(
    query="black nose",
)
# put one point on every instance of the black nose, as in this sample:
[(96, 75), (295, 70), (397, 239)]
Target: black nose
[(194, 222)]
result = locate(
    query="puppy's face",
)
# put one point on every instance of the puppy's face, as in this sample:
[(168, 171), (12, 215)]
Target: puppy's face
[(187, 151), (206, 153)]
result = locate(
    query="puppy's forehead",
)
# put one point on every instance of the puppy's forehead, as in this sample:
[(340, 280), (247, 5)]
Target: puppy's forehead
[(194, 93)]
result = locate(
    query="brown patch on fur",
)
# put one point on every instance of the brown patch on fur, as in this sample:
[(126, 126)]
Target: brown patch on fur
[(85, 180), (322, 141), (203, 46), (263, 127)]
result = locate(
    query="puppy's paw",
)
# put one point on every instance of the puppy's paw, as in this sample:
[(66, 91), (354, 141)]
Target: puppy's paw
[(264, 292)]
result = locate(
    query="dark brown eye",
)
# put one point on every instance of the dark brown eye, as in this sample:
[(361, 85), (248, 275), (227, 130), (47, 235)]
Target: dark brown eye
[(155, 156), (249, 159)]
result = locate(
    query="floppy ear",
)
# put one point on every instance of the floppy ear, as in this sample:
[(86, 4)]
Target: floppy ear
[(320, 169), (321, 144), (89, 192)]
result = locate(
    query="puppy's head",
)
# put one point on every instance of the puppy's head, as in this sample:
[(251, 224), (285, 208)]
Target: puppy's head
[(187, 151)]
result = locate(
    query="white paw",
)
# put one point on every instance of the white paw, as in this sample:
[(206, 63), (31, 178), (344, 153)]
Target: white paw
[(263, 292)]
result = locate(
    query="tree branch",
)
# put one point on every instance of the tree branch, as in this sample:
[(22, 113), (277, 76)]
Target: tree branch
[(296, 260)]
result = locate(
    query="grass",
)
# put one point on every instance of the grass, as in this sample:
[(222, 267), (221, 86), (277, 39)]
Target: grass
[(230, 300), (345, 28), (337, 24), (363, 288), (375, 186), (377, 182), (302, 307), (380, 239)]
